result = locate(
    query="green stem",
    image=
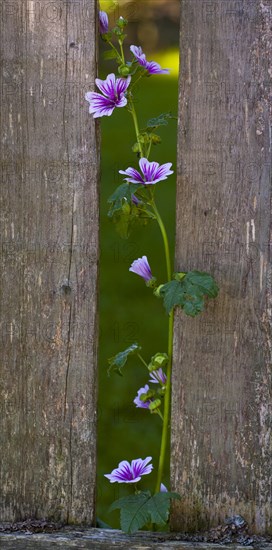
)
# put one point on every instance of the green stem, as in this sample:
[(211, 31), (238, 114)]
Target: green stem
[(143, 361), (165, 239), (167, 403), (122, 51), (149, 149), (116, 51), (135, 82), (167, 396), (135, 120)]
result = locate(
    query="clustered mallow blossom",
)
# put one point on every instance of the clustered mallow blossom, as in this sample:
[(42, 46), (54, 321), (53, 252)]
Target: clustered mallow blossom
[(113, 95), (151, 66), (152, 172), (138, 401), (141, 267), (130, 473), (103, 22)]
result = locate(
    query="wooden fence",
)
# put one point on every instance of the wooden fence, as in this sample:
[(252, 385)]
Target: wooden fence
[(222, 392), (49, 257), (221, 428)]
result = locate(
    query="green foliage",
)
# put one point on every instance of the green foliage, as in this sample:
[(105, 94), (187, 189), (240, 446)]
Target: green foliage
[(124, 213), (146, 139), (110, 54), (143, 508), (119, 360), (130, 215), (122, 194), (188, 291), (161, 120)]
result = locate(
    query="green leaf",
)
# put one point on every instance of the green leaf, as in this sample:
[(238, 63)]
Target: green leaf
[(122, 194), (128, 216), (188, 291), (161, 120), (124, 213), (204, 281), (110, 54), (134, 511), (143, 508), (159, 506), (119, 360)]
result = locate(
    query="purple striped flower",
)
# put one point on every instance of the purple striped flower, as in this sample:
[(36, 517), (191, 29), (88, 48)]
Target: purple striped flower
[(113, 95), (138, 402), (158, 376), (141, 267), (130, 473), (152, 172), (151, 66), (103, 22)]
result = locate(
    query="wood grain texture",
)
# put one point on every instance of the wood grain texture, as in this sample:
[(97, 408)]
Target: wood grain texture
[(49, 261), (99, 539), (222, 392)]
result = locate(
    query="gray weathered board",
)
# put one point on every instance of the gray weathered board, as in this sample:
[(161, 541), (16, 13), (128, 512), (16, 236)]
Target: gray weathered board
[(222, 392), (48, 253), (99, 539)]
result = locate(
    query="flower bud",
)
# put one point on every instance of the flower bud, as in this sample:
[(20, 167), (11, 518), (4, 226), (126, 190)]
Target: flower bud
[(154, 405), (158, 361), (124, 70), (151, 283), (157, 291), (155, 139), (122, 22), (118, 32), (136, 148), (146, 396)]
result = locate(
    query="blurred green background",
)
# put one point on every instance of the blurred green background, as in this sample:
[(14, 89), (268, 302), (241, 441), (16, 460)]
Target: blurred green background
[(128, 310)]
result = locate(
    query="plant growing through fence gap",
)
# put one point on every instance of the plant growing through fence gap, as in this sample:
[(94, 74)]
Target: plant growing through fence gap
[(133, 203)]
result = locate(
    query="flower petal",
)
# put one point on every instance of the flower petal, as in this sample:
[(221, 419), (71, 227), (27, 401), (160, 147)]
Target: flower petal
[(104, 22), (133, 175), (121, 102), (154, 68), (139, 467), (108, 86), (158, 376), (140, 56), (149, 169), (122, 85), (141, 267), (130, 473), (138, 402), (99, 105)]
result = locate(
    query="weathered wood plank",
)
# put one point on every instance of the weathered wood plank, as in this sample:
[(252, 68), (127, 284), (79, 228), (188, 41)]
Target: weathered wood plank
[(49, 251), (108, 539), (222, 391)]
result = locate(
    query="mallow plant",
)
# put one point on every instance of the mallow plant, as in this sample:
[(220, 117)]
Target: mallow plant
[(132, 203)]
